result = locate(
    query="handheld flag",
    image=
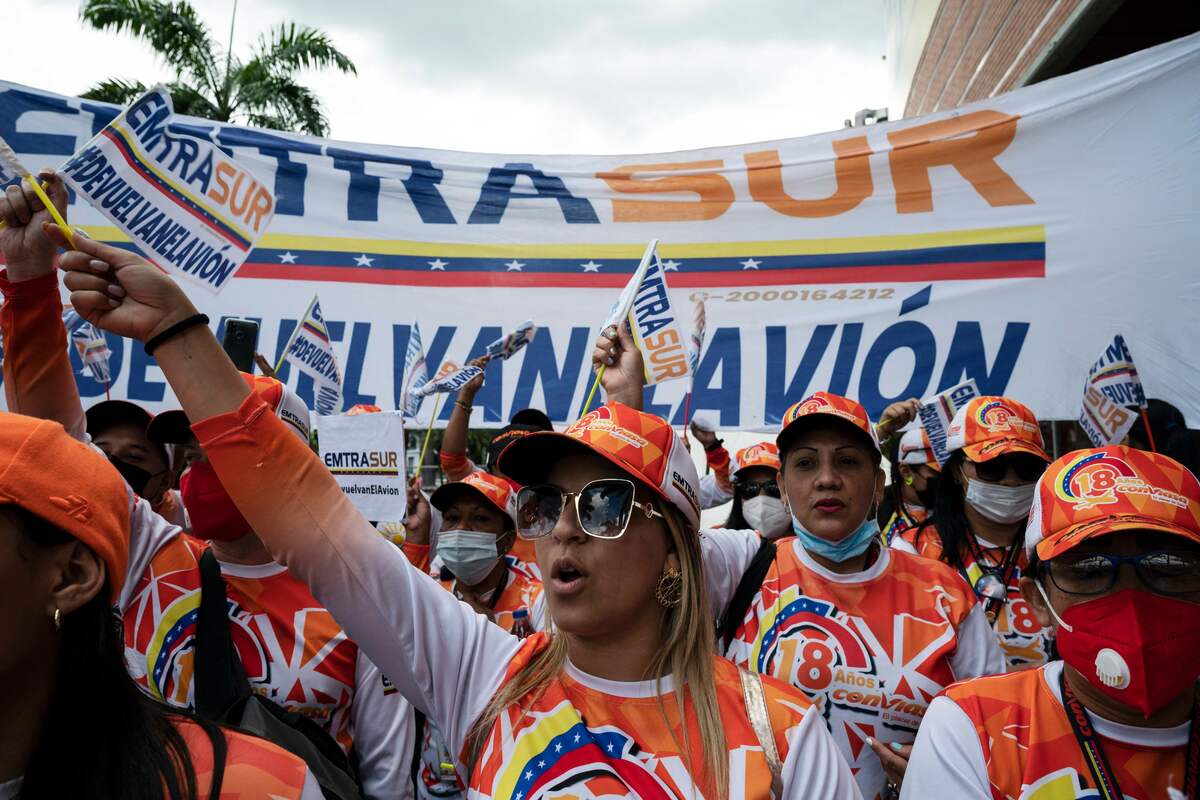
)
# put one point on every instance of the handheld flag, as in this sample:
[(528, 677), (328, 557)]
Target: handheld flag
[(699, 329), (937, 412), (450, 378), (655, 327), (12, 170), (312, 353), (181, 199), (1112, 385), (416, 373), (93, 351), (505, 346)]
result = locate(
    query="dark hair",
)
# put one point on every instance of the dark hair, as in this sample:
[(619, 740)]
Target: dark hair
[(949, 517), (1171, 434), (534, 418), (102, 737), (736, 521), (893, 499)]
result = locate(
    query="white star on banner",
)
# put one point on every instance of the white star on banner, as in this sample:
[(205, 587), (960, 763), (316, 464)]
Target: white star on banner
[(591, 266), (287, 258), (514, 266), (364, 260), (437, 263), (750, 263), (671, 266)]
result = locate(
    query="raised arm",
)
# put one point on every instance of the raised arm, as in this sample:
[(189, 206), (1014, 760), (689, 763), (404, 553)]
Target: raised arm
[(453, 457), (38, 381), (444, 658)]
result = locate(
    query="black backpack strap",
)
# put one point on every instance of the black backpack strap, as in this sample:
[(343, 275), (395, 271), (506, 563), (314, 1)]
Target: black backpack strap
[(747, 587), (219, 678)]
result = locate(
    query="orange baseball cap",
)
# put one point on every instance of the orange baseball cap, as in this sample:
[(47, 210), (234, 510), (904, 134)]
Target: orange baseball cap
[(69, 484), (990, 426), (824, 404), (363, 408), (1101, 490), (494, 489), (763, 454), (916, 449), (643, 445)]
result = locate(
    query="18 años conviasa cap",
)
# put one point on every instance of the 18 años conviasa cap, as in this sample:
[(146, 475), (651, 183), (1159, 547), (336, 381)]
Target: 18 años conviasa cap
[(642, 445), (824, 404), (991, 426), (1102, 490), (763, 454), (70, 485)]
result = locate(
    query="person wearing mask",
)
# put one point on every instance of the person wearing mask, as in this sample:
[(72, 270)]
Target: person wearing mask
[(172, 430), (869, 633), (982, 501), (478, 528), (756, 500), (293, 651), (624, 697), (456, 464), (1113, 545), (913, 485), (72, 722)]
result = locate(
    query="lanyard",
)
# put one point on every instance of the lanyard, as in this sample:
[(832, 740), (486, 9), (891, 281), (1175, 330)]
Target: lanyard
[(1006, 569), (1093, 754)]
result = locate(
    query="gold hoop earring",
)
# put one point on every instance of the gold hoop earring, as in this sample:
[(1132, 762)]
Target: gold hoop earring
[(669, 591), (57, 619)]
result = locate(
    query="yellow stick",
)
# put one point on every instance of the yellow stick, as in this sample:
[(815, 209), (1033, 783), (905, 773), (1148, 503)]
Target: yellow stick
[(428, 434), (58, 218), (592, 393)]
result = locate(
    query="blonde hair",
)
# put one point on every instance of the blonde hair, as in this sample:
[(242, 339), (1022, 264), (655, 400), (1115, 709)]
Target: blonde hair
[(686, 654)]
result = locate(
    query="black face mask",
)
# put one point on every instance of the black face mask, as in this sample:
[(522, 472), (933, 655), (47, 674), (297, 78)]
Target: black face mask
[(137, 478)]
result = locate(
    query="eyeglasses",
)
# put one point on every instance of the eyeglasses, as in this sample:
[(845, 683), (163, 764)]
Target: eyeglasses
[(603, 508), (1027, 468), (749, 489), (1164, 572)]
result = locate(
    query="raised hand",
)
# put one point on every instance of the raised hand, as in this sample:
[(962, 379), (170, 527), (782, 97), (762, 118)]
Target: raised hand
[(416, 525), (896, 416), (28, 252), (118, 290), (624, 370)]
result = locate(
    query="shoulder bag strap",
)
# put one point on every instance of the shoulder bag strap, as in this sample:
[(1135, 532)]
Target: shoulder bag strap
[(218, 678), (747, 587)]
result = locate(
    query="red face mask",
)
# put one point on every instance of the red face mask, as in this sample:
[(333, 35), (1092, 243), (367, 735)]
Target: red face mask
[(1140, 649), (209, 506)]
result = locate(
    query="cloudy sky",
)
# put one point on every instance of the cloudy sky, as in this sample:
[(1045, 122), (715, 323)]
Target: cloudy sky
[(529, 76)]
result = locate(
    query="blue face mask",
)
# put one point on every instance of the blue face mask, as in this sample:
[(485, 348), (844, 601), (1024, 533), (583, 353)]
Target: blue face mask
[(854, 544)]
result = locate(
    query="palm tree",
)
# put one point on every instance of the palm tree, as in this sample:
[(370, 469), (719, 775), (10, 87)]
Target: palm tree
[(261, 91)]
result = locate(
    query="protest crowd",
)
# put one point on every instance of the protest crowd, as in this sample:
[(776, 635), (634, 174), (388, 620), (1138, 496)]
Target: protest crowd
[(193, 607)]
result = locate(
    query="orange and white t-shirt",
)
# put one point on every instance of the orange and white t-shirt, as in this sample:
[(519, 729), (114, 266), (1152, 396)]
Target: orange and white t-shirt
[(1008, 736), (871, 648), (294, 653), (582, 735), (254, 768), (1022, 638)]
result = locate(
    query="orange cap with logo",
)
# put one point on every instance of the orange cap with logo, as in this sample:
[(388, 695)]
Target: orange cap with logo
[(763, 454), (494, 489), (643, 445), (70, 485), (988, 427), (915, 449), (830, 405), (1089, 493)]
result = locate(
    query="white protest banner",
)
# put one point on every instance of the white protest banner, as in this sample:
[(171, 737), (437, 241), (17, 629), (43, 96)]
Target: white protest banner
[(1112, 384), (451, 381), (312, 353), (365, 454), (937, 412), (654, 326), (178, 197), (890, 261), (504, 347), (416, 373)]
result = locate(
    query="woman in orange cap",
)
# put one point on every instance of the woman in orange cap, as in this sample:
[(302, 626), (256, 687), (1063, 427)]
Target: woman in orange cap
[(72, 721), (982, 502), (1114, 550), (625, 697), (870, 634)]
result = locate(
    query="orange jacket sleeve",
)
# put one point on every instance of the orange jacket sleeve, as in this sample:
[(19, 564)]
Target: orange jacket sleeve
[(718, 462), (38, 380), (456, 465)]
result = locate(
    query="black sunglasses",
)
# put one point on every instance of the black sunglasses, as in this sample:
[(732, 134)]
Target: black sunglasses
[(750, 489), (1027, 468)]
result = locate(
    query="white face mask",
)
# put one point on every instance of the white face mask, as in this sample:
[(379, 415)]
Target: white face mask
[(767, 516), (470, 555), (1000, 503)]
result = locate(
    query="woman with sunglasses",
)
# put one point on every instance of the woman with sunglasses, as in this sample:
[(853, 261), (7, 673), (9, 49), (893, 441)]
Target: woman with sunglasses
[(756, 501), (625, 697), (869, 633), (982, 502), (1114, 550), (73, 724)]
